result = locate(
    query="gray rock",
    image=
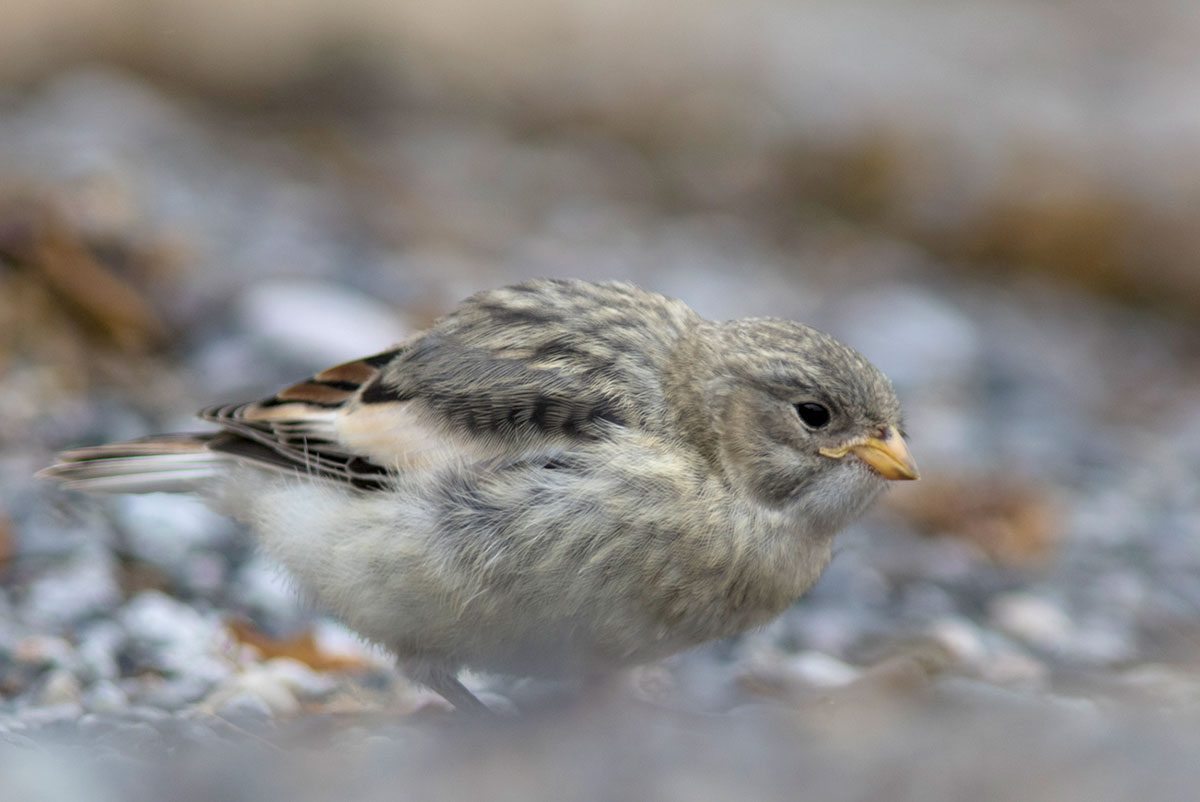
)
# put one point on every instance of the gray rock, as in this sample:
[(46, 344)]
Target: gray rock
[(263, 587), (178, 639), (44, 651), (271, 688), (299, 679), (318, 322), (1035, 620), (174, 693), (63, 596), (61, 688), (99, 644), (165, 529)]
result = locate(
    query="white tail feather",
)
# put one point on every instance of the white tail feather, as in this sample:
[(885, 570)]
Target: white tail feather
[(170, 465)]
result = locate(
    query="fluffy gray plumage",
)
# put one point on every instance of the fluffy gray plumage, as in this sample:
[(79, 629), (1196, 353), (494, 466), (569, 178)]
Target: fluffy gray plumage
[(557, 478)]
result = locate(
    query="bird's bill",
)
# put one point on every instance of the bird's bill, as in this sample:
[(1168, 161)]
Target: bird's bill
[(888, 455)]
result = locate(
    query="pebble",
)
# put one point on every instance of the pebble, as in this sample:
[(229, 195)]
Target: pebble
[(105, 697), (65, 596), (820, 670), (176, 638), (298, 678), (272, 687), (61, 687), (165, 529), (1015, 670), (1031, 618), (175, 692), (44, 651), (318, 323), (263, 587), (99, 645), (961, 638)]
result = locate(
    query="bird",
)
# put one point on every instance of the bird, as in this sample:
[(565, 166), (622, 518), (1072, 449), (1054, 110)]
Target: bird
[(558, 478)]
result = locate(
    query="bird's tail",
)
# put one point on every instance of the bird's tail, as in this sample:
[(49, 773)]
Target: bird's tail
[(172, 463)]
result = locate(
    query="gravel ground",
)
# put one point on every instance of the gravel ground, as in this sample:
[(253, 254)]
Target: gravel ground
[(1024, 623)]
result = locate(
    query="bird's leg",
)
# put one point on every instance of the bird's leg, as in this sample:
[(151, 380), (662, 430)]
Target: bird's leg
[(446, 684)]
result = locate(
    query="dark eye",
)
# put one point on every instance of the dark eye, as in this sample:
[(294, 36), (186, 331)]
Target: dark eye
[(813, 415)]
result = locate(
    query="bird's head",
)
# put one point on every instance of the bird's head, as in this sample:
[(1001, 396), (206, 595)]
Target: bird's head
[(793, 417)]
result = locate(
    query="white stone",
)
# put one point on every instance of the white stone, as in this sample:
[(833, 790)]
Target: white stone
[(98, 647), (1013, 669), (185, 642), (960, 637), (163, 528), (257, 683), (105, 697), (821, 670), (61, 688), (84, 586), (1032, 619), (299, 678), (319, 322)]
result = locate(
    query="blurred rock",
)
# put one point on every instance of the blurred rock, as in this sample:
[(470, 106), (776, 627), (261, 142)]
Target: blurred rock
[(820, 670), (299, 678), (1035, 620), (67, 595), (105, 697), (61, 687), (174, 638), (247, 693), (265, 590), (318, 323), (165, 529)]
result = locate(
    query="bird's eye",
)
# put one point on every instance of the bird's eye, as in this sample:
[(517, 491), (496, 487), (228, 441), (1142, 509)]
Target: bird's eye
[(814, 416)]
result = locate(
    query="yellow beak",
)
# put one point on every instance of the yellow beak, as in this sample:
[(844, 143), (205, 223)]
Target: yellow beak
[(887, 455)]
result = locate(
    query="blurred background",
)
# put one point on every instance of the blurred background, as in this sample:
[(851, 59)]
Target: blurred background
[(998, 201)]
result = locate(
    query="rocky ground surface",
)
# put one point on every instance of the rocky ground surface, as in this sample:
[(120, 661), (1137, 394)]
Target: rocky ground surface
[(1025, 622)]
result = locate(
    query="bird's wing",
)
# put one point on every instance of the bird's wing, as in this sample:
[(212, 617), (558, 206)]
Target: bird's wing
[(516, 372), (297, 429), (360, 421)]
